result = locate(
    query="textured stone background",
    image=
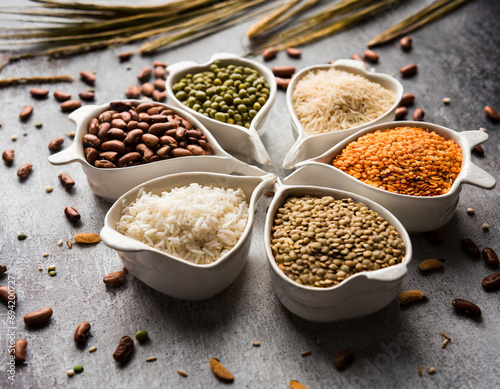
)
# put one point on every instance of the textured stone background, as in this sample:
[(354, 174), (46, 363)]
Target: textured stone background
[(458, 58)]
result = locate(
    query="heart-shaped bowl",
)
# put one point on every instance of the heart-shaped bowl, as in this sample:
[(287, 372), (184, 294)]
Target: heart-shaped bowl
[(308, 146), (416, 213), (360, 294), (242, 142), (169, 274), (112, 183)]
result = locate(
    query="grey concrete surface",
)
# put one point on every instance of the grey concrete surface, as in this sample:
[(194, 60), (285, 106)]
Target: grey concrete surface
[(457, 57)]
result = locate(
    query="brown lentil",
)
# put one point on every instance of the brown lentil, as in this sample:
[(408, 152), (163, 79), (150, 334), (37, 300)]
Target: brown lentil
[(405, 160), (320, 241)]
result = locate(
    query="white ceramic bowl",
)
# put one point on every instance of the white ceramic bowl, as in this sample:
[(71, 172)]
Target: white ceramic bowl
[(174, 276), (112, 183), (360, 294), (417, 213), (244, 143), (309, 146)]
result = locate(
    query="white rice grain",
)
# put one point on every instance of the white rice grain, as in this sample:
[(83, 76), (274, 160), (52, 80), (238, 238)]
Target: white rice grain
[(196, 223)]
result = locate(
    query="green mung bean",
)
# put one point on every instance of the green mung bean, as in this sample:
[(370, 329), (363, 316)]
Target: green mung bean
[(227, 93)]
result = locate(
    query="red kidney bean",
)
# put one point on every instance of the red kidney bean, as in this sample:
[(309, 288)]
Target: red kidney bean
[(407, 99), (91, 155), (147, 89), (491, 113), (466, 307), (61, 96), (70, 105), (371, 56), (113, 145), (133, 91), (418, 114), (144, 75), (282, 82), (150, 140), (8, 156), (344, 358), (125, 350), (491, 282), (293, 52), (26, 112), (131, 134), (72, 214), (81, 332), (409, 70), (406, 43), (55, 144), (24, 170), (160, 72), (269, 54), (159, 63), (109, 155), (128, 158), (88, 77), (471, 247), (283, 71), (180, 152), (401, 113), (87, 96), (66, 180), (38, 317), (39, 93), (490, 257)]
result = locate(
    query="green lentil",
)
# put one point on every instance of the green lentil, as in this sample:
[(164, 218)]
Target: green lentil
[(22, 236), (142, 336), (52, 273), (227, 93), (38, 125), (78, 369), (320, 241)]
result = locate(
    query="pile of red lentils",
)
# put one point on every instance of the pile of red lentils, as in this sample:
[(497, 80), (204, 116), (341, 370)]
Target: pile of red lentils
[(406, 160)]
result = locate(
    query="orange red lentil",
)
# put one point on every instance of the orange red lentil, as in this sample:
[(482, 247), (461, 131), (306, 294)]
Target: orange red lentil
[(406, 160)]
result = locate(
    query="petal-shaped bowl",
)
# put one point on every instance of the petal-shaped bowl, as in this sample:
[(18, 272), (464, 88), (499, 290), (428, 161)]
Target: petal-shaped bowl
[(309, 146), (174, 276), (112, 183), (237, 140), (417, 213), (360, 294)]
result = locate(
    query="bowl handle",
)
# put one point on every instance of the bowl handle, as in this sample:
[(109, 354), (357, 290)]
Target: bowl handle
[(218, 56), (179, 66), (391, 273), (474, 137), (294, 154), (259, 152), (117, 241), (81, 113), (351, 63), (66, 156), (478, 177)]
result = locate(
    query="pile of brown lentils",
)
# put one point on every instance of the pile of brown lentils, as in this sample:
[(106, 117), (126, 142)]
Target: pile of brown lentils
[(320, 241)]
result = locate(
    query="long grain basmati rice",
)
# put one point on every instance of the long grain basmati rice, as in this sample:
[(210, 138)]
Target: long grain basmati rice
[(331, 100)]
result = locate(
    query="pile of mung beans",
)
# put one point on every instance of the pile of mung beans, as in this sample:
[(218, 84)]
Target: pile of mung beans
[(406, 160), (227, 93), (321, 241)]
